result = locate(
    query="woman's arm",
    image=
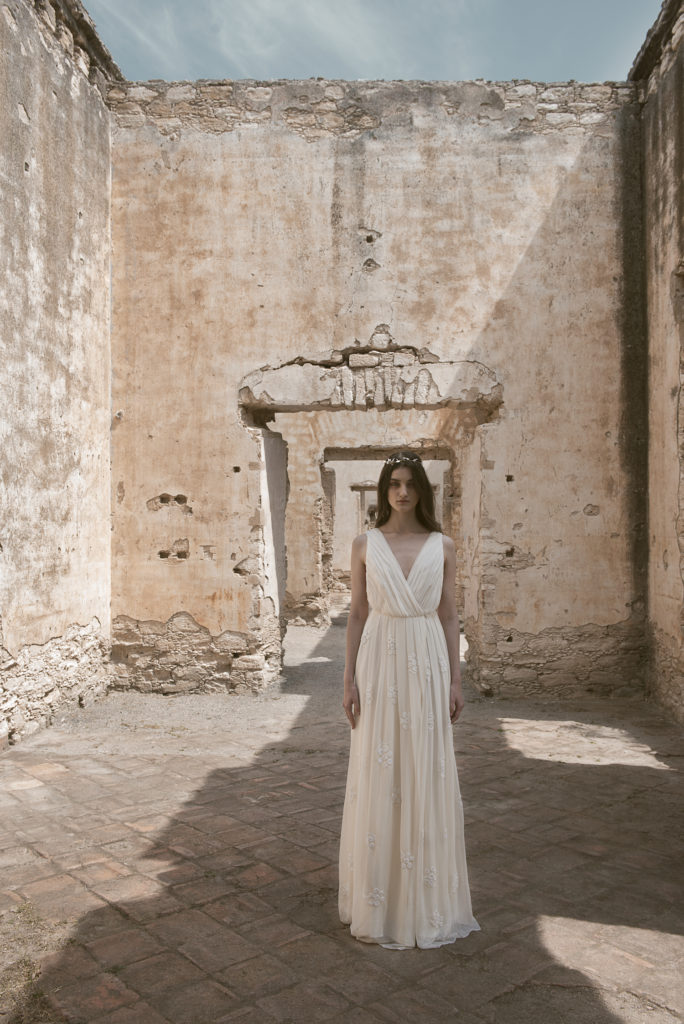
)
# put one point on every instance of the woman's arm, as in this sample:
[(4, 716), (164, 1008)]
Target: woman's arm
[(358, 613), (448, 616)]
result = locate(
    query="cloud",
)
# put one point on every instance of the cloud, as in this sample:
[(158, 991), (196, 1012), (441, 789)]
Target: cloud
[(437, 39), (384, 38), (289, 38)]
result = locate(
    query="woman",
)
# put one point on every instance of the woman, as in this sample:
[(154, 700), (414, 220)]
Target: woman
[(403, 876)]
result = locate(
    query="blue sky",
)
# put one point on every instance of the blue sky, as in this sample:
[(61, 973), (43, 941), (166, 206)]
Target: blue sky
[(554, 40)]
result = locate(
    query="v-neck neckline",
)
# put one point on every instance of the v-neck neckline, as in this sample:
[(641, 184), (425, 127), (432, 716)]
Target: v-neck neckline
[(398, 564)]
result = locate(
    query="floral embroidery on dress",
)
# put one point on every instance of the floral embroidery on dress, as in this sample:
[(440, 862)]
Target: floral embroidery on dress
[(384, 756), (391, 645), (428, 672), (405, 720), (344, 891), (453, 884), (407, 860), (413, 663), (430, 721), (437, 920), (443, 665), (365, 636), (445, 834), (376, 897), (442, 767), (396, 796), (393, 694), (430, 878), (371, 841), (352, 793)]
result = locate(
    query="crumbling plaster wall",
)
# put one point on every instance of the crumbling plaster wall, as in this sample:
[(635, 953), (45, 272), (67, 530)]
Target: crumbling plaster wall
[(54, 328), (661, 65), (255, 223)]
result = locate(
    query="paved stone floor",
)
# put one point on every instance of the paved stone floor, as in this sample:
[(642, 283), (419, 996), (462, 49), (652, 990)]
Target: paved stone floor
[(174, 860)]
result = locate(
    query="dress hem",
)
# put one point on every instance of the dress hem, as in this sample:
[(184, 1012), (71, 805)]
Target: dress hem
[(461, 932)]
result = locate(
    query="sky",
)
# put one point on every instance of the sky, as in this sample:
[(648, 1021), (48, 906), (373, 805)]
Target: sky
[(542, 40)]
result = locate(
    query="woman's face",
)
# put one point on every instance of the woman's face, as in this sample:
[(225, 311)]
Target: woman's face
[(401, 493)]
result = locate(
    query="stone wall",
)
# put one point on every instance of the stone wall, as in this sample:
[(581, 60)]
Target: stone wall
[(54, 325), (660, 67), (272, 234), (308, 271)]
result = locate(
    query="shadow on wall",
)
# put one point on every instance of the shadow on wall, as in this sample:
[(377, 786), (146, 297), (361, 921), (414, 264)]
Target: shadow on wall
[(233, 906), (566, 336), (551, 308)]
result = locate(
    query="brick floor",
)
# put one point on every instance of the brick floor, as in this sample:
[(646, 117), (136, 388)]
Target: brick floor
[(173, 861)]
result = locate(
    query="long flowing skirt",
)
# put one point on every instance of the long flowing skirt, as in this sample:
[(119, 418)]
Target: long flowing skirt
[(403, 874)]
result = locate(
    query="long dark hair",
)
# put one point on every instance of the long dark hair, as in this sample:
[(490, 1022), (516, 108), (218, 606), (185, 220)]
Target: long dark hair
[(425, 509)]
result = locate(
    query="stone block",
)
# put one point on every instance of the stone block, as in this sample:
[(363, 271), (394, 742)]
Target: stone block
[(126, 631), (249, 663), (183, 623), (381, 339), (525, 89), (232, 641), (150, 627), (519, 675), (176, 93), (195, 674), (363, 359), (141, 93), (596, 93), (560, 118)]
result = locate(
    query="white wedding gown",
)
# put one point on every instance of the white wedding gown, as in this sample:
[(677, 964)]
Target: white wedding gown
[(403, 875)]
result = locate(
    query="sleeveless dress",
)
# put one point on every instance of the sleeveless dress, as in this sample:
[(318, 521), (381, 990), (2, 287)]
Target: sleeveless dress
[(403, 875)]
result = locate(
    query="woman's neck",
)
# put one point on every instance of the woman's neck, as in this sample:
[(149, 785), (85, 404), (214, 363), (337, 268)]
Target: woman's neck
[(403, 522)]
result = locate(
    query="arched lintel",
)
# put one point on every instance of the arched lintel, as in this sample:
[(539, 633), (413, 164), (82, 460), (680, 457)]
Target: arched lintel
[(373, 379)]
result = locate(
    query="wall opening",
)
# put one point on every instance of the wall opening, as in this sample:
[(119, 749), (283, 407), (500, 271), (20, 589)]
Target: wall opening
[(325, 425)]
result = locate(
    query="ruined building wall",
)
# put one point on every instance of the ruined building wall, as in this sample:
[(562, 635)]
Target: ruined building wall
[(489, 227), (54, 330), (661, 68)]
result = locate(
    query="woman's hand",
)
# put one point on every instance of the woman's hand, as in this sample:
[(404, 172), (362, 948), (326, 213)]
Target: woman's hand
[(456, 701), (351, 704)]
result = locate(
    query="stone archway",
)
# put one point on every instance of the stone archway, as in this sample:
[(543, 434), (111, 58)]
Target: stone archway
[(373, 397)]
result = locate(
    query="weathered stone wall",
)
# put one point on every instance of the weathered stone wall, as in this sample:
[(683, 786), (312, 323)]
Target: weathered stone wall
[(54, 326), (661, 68), (491, 225), (302, 268)]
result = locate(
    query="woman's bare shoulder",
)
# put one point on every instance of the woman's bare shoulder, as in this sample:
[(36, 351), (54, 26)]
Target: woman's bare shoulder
[(358, 549)]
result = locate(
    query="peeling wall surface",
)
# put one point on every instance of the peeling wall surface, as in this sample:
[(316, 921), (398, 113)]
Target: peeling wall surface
[(54, 329), (272, 242), (663, 127)]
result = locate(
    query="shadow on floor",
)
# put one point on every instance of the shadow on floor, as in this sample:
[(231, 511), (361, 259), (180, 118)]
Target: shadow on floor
[(229, 912)]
